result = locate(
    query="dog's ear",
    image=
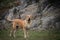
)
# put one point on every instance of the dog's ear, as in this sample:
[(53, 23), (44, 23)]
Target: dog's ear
[(30, 16)]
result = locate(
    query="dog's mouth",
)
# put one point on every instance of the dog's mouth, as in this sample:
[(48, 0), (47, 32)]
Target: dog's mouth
[(29, 20)]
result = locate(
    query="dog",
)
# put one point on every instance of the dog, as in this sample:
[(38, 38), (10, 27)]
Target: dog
[(24, 24)]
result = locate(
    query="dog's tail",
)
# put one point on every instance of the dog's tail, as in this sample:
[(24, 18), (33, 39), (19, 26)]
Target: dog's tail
[(9, 19)]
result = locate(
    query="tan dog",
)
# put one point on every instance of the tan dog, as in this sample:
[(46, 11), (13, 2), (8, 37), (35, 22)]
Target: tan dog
[(24, 24)]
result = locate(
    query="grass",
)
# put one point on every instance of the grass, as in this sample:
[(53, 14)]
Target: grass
[(33, 35)]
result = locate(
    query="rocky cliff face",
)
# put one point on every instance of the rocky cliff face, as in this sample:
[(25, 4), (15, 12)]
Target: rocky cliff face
[(45, 12)]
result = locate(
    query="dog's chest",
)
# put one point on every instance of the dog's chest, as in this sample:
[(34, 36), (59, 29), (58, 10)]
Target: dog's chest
[(27, 25)]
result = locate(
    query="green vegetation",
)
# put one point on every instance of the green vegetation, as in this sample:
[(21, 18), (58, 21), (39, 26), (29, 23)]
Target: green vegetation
[(33, 35)]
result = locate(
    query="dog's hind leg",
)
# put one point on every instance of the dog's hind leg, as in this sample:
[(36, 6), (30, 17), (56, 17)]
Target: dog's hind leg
[(14, 33), (11, 33), (14, 29)]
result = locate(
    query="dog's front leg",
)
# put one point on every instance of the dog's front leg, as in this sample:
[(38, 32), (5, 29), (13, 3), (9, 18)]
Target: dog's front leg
[(27, 33), (25, 36)]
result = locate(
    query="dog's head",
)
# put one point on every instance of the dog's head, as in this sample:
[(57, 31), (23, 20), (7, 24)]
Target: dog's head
[(28, 18)]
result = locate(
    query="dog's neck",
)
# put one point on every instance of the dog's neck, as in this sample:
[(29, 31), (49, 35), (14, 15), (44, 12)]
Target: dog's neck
[(28, 23)]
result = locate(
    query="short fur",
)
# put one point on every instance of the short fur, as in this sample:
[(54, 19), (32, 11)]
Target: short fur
[(21, 23)]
